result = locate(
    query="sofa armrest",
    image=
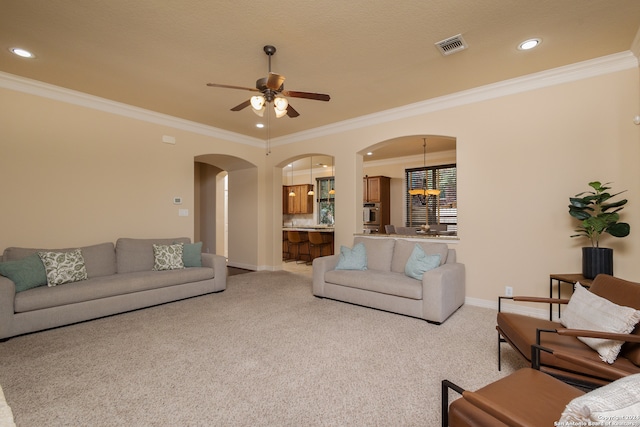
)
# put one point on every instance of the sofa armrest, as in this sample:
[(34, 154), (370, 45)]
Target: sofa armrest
[(443, 291), (219, 265), (320, 266), (7, 298)]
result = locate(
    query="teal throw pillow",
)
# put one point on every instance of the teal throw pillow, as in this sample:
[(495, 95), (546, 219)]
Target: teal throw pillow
[(352, 259), (25, 273), (419, 262), (191, 254)]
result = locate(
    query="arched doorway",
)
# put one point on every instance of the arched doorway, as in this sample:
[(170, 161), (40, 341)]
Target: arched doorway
[(225, 189)]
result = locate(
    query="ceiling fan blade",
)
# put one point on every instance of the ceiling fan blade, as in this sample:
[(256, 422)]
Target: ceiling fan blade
[(274, 81), (239, 107), (291, 112), (306, 95), (233, 87)]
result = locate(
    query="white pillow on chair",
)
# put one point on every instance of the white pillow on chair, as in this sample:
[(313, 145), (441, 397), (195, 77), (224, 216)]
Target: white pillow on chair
[(589, 311)]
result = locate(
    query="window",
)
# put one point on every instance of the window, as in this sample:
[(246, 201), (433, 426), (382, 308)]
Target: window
[(440, 212), (326, 200)]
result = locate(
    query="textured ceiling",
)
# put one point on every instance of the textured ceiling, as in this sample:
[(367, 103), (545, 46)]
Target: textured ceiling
[(368, 55)]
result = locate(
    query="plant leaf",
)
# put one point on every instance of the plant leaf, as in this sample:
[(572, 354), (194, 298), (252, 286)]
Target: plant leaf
[(620, 229)]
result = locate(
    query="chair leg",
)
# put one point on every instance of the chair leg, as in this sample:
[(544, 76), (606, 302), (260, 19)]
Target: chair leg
[(446, 385), (499, 353)]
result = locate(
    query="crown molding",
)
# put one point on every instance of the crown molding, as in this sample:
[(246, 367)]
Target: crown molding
[(578, 71), (57, 93)]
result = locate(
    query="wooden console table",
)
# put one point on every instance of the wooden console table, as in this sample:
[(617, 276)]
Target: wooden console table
[(565, 278)]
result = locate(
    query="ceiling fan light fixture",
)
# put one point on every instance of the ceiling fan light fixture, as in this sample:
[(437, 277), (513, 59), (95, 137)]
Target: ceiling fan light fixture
[(280, 113), (257, 102), (281, 103)]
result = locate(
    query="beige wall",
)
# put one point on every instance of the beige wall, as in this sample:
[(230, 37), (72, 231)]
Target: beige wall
[(519, 159), (74, 175)]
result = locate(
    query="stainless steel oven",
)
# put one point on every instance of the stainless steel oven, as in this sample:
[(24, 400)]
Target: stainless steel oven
[(371, 216)]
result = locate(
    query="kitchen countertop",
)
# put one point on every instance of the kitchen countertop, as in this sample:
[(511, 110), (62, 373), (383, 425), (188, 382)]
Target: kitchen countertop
[(414, 236), (320, 228)]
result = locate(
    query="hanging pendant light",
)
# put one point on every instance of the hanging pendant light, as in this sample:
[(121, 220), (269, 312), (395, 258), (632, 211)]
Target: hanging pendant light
[(291, 192), (332, 191), (311, 192), (424, 191)]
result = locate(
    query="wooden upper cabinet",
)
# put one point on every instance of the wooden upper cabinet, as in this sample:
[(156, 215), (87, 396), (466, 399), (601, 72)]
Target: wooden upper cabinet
[(301, 203), (375, 189)]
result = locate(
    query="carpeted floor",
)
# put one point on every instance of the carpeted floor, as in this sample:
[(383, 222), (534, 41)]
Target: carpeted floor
[(265, 352)]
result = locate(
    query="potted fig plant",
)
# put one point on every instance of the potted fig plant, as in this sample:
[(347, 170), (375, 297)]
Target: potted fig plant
[(597, 214)]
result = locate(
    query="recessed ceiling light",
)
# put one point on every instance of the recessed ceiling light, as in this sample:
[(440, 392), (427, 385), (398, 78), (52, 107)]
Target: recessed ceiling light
[(260, 125), (529, 44), (369, 153), (22, 52)]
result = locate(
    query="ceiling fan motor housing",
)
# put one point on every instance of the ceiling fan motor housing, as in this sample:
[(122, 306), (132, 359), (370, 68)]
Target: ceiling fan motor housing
[(261, 85)]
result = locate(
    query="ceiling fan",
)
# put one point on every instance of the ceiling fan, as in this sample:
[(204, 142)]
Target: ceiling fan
[(272, 90)]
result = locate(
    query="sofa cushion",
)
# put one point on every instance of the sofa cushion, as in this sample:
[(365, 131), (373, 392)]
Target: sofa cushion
[(352, 258), (379, 252), (99, 260), (107, 286), (384, 282), (25, 273), (64, 267), (137, 254), (592, 312), (419, 263), (404, 248)]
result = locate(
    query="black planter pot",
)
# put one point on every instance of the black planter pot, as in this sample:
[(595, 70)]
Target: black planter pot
[(596, 261)]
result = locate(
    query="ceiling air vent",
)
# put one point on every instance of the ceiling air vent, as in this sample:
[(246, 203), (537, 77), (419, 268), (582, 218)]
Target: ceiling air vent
[(451, 45)]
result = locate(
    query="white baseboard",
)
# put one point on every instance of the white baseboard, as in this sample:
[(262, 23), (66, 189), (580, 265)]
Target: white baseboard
[(511, 307), (242, 265)]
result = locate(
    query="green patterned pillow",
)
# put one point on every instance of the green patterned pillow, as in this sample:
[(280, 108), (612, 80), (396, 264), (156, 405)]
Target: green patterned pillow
[(63, 267), (168, 257), (25, 273)]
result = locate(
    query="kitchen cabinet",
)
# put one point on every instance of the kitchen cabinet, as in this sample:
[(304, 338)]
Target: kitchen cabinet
[(301, 203), (376, 189)]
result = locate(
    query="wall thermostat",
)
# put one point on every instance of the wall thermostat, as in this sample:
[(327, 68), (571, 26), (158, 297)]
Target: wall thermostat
[(177, 200)]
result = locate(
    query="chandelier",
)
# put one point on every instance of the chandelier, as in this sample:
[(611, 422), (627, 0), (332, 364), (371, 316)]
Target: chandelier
[(424, 191)]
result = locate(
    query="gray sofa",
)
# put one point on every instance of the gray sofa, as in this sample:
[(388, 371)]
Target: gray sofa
[(120, 279), (384, 285)]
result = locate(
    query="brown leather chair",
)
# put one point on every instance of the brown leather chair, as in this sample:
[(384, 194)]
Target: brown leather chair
[(522, 332), (525, 398), (320, 244), (299, 246), (528, 397)]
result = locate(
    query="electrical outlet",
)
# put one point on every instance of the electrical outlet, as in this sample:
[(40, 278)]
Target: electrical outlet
[(508, 291)]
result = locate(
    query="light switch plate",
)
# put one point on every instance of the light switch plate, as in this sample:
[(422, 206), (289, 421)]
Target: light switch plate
[(183, 212)]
